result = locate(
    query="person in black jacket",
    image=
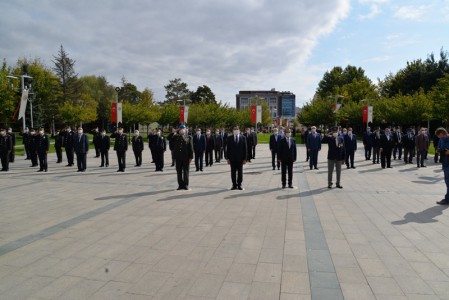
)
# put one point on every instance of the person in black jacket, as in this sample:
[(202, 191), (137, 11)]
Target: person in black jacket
[(171, 145), (335, 156), (409, 146), (249, 144), (254, 135), (367, 143), (287, 156), (137, 144), (210, 146), (236, 155), (68, 146), (81, 147), (159, 149), (5, 149), (375, 138), (42, 146), (120, 147), (386, 148), (274, 148), (12, 154), (105, 144), (32, 146), (218, 142), (26, 142), (397, 137), (96, 141), (183, 154), (58, 146)]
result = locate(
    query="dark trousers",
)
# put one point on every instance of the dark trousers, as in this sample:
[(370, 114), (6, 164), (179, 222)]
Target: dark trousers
[(397, 149), (446, 180), (104, 157), (368, 151), (121, 157), (274, 161), (385, 158), (159, 160), (209, 158), (70, 155), (59, 154), (199, 160), (376, 154), (287, 166), (182, 170), (27, 151), (307, 154), (152, 154), (173, 160), (249, 154), (236, 173), (313, 158), (12, 154), (437, 157), (138, 156), (408, 155), (33, 156), (420, 156), (97, 150), (254, 152), (42, 161), (222, 150), (217, 155), (81, 161), (5, 160), (349, 159)]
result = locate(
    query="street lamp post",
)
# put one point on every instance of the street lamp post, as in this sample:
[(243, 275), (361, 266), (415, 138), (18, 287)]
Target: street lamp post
[(336, 104)]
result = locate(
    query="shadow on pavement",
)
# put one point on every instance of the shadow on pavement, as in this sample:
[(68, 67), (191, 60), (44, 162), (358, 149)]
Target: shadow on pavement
[(427, 180), (255, 193), (183, 195), (425, 216), (142, 194)]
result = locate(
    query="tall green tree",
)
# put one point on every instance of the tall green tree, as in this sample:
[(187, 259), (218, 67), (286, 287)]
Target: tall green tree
[(203, 94), (129, 92), (9, 95), (169, 114), (65, 70), (440, 97), (176, 90)]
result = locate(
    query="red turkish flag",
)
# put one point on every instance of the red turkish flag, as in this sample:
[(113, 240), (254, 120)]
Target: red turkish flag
[(181, 114), (253, 114), (114, 113), (365, 114)]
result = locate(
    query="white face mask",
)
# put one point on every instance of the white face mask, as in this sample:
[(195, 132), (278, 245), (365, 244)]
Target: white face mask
[(236, 132), (120, 131), (313, 130), (198, 132), (182, 132), (349, 132), (287, 134), (275, 132), (3, 133), (41, 132), (335, 134), (136, 133), (248, 132), (80, 131), (103, 133), (158, 133), (207, 132)]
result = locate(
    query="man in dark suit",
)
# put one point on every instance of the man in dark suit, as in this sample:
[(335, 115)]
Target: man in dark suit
[(224, 137), (367, 143), (313, 147), (120, 147), (199, 146), (81, 146), (183, 155), (68, 146), (375, 138), (151, 143), (5, 149), (335, 156), (287, 156), (159, 150), (13, 141), (254, 135), (350, 148), (58, 146), (171, 145), (386, 148), (409, 146), (422, 143), (42, 148), (96, 140), (274, 148), (237, 152), (210, 146), (218, 142), (26, 142), (105, 144), (137, 144), (32, 146), (249, 143), (397, 137)]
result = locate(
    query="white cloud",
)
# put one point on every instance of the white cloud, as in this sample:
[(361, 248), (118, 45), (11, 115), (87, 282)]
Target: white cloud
[(374, 8), (228, 45), (414, 13)]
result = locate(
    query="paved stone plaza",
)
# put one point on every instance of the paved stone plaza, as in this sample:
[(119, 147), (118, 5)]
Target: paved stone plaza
[(108, 235)]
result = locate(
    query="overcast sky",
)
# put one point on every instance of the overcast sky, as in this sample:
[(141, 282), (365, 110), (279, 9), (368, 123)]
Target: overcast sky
[(229, 45)]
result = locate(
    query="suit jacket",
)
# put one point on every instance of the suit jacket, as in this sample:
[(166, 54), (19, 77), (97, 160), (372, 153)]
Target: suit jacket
[(218, 141), (237, 152), (183, 147), (160, 144), (385, 144), (210, 143), (367, 140), (5, 144), (350, 143), (422, 142), (96, 137), (249, 139), (314, 142), (254, 135), (104, 143), (199, 143), (375, 139), (336, 149), (274, 143), (121, 142), (397, 137), (287, 154), (42, 143), (137, 143), (68, 140), (408, 140), (81, 143)]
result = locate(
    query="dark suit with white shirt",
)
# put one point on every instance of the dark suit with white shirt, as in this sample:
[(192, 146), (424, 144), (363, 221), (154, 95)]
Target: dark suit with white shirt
[(236, 154), (287, 156)]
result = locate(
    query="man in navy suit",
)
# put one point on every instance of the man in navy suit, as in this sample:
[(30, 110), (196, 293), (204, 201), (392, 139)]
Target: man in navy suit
[(275, 138), (120, 147), (335, 156), (386, 148), (105, 144), (42, 148), (350, 148), (199, 147), (287, 156), (367, 143), (236, 156), (81, 147), (313, 147)]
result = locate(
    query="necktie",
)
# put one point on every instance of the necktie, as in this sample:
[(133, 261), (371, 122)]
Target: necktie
[(237, 139), (288, 142)]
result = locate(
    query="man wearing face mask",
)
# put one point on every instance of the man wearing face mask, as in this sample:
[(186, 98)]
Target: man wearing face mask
[(81, 146), (68, 146), (210, 146), (33, 148), (367, 143), (335, 156), (159, 150), (58, 146), (137, 144), (313, 147), (422, 146), (386, 148), (236, 155), (199, 146), (254, 135), (105, 144), (183, 154), (249, 144), (350, 148), (375, 138), (218, 142), (275, 138), (42, 147), (409, 145), (12, 136), (96, 141), (120, 147), (171, 145), (287, 156), (5, 149), (26, 142)]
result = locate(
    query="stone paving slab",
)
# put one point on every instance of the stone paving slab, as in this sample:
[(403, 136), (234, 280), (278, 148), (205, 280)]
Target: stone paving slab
[(108, 235)]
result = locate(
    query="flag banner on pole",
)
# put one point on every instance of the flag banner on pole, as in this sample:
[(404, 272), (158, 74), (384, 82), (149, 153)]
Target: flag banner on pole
[(181, 114), (365, 114), (336, 107), (259, 114), (114, 113), (23, 104), (370, 114), (119, 113), (253, 114), (186, 113)]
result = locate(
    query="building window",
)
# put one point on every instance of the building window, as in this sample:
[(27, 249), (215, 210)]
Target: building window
[(243, 101), (273, 101)]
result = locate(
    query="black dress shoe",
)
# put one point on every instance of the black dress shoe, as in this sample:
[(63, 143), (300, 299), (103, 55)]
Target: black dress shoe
[(316, 168), (240, 188), (186, 188), (101, 166), (233, 188), (339, 186), (443, 202), (180, 188), (329, 186), (40, 170), (352, 167), (283, 186), (290, 186)]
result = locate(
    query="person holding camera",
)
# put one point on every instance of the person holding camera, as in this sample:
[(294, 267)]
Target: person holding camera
[(335, 156), (443, 150)]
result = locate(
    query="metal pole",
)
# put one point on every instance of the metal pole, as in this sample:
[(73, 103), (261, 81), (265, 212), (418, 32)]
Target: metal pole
[(31, 114)]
